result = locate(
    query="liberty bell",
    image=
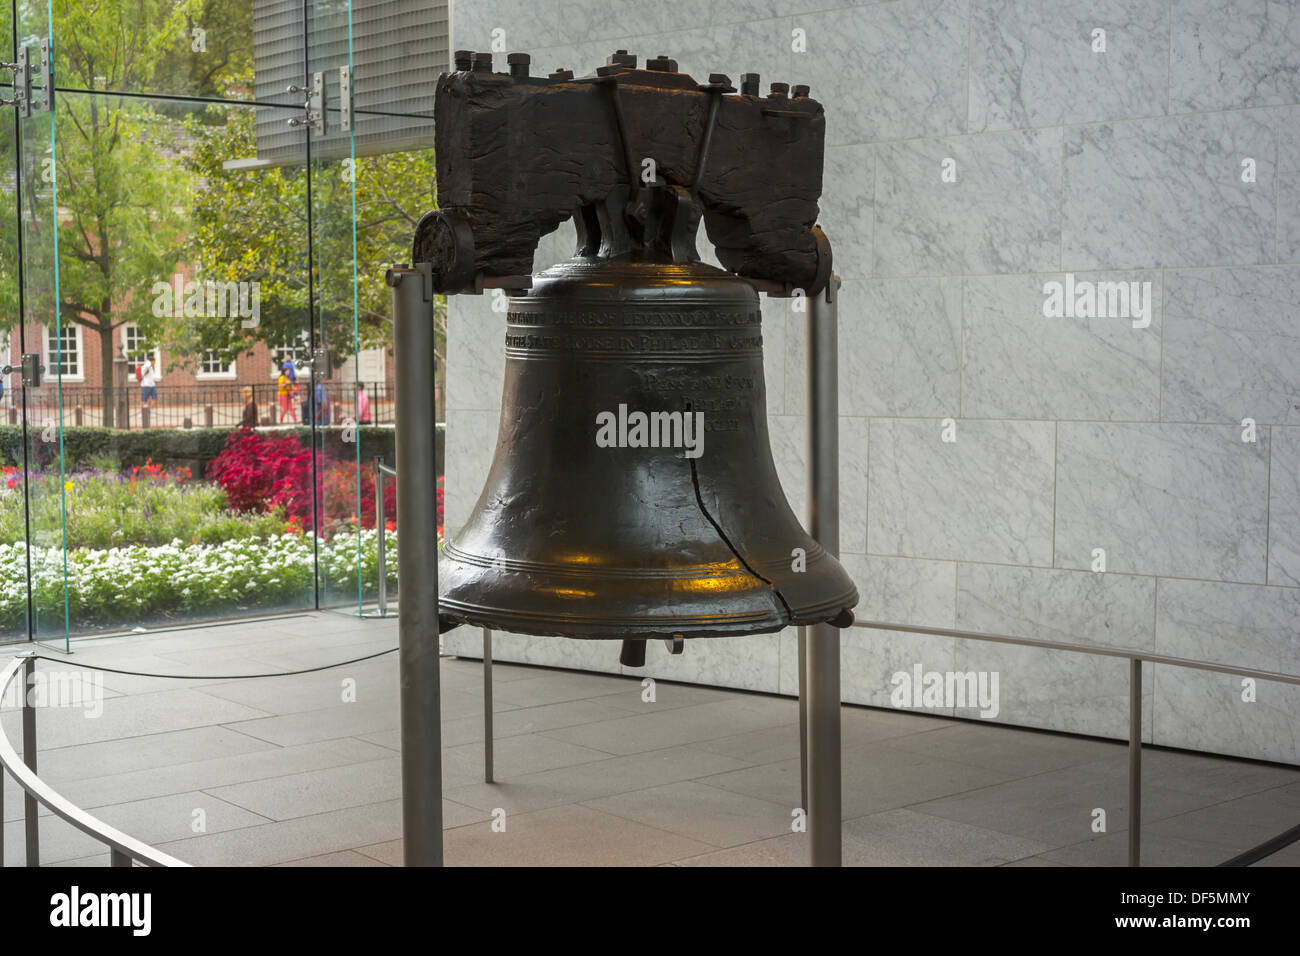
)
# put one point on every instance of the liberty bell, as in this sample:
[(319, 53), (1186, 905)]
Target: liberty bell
[(632, 494)]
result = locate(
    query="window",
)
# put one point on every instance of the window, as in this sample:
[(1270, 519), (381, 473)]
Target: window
[(291, 353), (211, 366), (133, 348), (63, 355)]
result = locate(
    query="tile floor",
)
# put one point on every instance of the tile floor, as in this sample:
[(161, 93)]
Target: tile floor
[(285, 771)]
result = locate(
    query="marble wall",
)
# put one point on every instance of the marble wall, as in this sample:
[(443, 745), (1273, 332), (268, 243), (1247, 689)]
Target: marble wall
[(1170, 160)]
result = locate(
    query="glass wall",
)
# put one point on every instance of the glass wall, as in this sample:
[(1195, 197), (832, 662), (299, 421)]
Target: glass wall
[(199, 231)]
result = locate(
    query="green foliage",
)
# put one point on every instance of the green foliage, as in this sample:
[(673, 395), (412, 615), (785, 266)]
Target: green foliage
[(89, 447), (251, 225), (110, 510)]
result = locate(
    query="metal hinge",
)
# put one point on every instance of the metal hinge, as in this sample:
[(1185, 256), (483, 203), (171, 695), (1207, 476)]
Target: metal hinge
[(31, 368), (26, 98), (315, 105), (345, 98)]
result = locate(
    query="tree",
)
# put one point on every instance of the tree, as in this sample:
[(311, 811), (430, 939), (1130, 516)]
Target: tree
[(121, 186), (251, 225)]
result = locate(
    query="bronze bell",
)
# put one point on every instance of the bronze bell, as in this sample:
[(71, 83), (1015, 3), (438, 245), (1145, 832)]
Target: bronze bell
[(632, 493)]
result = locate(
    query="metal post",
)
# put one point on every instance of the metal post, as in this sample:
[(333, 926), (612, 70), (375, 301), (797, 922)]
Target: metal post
[(381, 524), (487, 706), (802, 652), (822, 651), (1135, 762), (31, 815), (417, 566)]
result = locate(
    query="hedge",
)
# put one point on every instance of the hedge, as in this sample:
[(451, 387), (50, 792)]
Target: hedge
[(193, 447)]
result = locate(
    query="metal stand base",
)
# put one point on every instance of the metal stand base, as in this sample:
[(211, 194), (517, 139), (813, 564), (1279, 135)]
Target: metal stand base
[(487, 707)]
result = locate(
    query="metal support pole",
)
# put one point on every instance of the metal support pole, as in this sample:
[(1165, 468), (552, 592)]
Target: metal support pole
[(487, 706), (802, 652), (1135, 762), (822, 651), (417, 567), (31, 812), (381, 524)]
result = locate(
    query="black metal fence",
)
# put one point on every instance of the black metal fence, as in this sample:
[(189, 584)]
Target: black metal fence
[(200, 406)]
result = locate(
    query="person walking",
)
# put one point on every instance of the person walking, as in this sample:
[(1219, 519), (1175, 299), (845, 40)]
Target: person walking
[(249, 418), (363, 405), (285, 389), (321, 409), (148, 383)]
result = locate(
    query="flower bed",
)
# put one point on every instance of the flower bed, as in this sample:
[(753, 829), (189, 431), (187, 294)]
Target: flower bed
[(130, 584)]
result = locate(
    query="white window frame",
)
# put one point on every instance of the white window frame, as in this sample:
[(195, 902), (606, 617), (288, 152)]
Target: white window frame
[(155, 355), (299, 351), (51, 357), (202, 376)]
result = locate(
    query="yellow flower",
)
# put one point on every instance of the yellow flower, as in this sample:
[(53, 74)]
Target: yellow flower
[(67, 486)]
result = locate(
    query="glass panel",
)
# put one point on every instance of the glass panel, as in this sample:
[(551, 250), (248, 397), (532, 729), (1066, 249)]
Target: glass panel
[(13, 489), (214, 49), (174, 512), (397, 49), (346, 538), (42, 332)]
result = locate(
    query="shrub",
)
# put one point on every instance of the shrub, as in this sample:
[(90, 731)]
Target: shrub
[(150, 505), (84, 446)]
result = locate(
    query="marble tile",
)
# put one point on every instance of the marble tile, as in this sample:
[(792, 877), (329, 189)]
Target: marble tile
[(746, 663), (987, 496), (525, 25), (904, 590), (1239, 624), (886, 71), (869, 660), (853, 484), (1034, 64), (847, 214), (1232, 345), (740, 11), (598, 656), (1073, 607), (1169, 192), (1001, 214), (581, 20), (1019, 363), (878, 669), (1284, 507), (1179, 500), (906, 838), (1288, 185), (900, 347), (476, 353), (1201, 710), (1227, 54), (471, 441), (1061, 690), (753, 46)]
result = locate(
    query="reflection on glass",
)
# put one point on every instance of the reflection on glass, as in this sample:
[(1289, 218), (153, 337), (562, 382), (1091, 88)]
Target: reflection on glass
[(178, 265)]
